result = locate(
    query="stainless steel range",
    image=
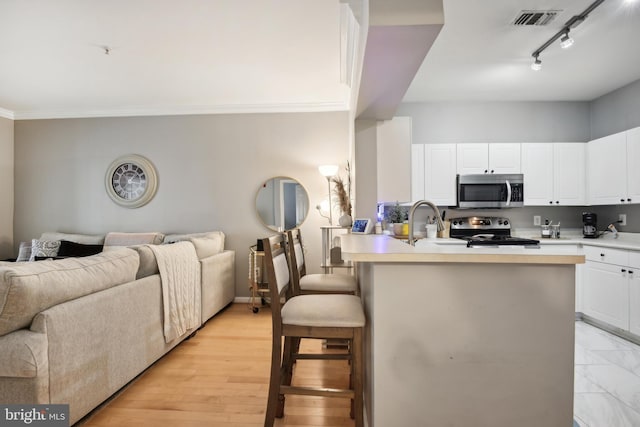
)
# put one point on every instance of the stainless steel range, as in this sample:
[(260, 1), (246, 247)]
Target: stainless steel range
[(482, 231)]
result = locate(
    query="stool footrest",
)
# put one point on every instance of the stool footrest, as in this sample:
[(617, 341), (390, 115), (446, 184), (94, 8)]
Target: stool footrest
[(316, 391), (343, 356)]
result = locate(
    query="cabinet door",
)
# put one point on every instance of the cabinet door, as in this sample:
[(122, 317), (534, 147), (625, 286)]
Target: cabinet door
[(472, 158), (504, 158), (440, 174), (634, 300), (537, 167), (633, 170), (569, 174), (394, 159), (606, 294), (607, 170), (417, 172)]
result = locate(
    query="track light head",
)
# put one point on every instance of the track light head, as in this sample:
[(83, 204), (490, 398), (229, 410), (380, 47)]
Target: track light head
[(536, 65), (566, 41)]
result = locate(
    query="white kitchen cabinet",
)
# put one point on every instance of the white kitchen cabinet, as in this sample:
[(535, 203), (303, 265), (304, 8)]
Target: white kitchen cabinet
[(606, 293), (440, 174), (488, 158), (393, 155), (433, 173), (607, 166), (417, 171), (554, 174), (633, 165), (569, 174), (611, 291), (634, 292)]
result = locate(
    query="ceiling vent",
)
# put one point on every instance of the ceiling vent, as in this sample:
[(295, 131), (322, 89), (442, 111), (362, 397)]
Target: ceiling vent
[(535, 17)]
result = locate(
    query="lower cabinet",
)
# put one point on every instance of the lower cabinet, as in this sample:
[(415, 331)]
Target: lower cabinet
[(606, 293), (610, 285), (634, 292)]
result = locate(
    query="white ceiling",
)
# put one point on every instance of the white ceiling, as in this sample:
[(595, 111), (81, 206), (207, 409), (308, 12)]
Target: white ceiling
[(480, 56), (169, 57), (197, 56)]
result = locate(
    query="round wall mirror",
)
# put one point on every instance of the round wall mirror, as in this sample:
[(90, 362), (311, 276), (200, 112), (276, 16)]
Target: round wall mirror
[(282, 203)]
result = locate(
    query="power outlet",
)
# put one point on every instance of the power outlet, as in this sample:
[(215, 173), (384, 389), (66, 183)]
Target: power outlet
[(536, 220), (622, 218)]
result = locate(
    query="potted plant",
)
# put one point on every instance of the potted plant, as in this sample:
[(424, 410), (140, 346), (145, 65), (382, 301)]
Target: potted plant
[(343, 195), (397, 216)]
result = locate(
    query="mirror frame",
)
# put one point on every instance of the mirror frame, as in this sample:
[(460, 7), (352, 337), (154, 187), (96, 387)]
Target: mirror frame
[(281, 179)]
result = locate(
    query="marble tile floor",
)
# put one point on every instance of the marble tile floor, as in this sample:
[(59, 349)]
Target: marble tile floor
[(607, 379)]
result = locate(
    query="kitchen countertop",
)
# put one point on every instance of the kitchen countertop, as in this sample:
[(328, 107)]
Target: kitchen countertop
[(384, 248)]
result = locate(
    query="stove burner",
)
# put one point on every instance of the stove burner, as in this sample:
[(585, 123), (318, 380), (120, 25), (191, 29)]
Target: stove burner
[(487, 231)]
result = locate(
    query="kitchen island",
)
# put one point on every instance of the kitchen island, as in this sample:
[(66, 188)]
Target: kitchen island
[(462, 336)]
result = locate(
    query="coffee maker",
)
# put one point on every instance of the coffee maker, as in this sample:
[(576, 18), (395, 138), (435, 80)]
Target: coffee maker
[(589, 225)]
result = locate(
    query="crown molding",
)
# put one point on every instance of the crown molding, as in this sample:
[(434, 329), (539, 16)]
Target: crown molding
[(180, 111), (7, 114)]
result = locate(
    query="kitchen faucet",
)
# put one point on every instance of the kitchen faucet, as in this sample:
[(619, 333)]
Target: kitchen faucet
[(415, 206)]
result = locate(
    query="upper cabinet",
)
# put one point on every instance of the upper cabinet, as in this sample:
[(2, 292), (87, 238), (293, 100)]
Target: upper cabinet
[(394, 159), (488, 158), (433, 173), (554, 174), (612, 167)]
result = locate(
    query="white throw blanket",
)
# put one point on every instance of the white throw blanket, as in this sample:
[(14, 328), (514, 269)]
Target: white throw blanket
[(181, 293)]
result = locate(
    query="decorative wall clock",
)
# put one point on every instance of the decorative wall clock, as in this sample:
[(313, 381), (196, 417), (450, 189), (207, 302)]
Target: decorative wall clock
[(131, 181)]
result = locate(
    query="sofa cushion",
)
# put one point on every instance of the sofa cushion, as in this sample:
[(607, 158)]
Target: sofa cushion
[(28, 288), (69, 248), (205, 247), (217, 236), (130, 239), (85, 239), (44, 248), (148, 262)]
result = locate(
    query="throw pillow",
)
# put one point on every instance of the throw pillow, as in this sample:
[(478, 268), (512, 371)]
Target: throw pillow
[(44, 248), (24, 252), (73, 249)]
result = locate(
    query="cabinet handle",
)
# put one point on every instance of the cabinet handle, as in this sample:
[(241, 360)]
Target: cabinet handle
[(628, 200), (630, 271), (486, 170), (623, 270), (491, 170), (622, 200), (601, 254), (557, 202), (550, 202)]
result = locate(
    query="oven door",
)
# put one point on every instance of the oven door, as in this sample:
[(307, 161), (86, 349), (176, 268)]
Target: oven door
[(490, 191)]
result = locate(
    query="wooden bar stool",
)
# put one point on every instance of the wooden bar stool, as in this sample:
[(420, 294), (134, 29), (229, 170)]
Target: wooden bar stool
[(304, 283), (317, 316)]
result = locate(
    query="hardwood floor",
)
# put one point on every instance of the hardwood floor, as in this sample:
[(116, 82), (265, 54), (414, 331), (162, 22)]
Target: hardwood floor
[(220, 378)]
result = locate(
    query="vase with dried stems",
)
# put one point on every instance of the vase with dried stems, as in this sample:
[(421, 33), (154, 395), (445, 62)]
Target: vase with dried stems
[(342, 192)]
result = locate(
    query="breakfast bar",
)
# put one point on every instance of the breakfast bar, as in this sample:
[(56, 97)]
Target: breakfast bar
[(461, 336)]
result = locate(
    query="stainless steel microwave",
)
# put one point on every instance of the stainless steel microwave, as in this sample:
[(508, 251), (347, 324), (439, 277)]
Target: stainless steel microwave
[(490, 191)]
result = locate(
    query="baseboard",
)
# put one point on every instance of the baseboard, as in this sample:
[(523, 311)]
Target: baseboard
[(611, 329), (242, 300)]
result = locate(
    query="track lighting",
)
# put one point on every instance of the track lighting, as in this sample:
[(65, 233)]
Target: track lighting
[(563, 34), (536, 65), (566, 41)]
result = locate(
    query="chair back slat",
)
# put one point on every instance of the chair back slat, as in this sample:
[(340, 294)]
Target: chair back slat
[(278, 272)]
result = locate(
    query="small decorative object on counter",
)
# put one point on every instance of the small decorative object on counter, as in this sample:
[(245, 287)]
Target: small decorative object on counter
[(397, 216), (545, 230)]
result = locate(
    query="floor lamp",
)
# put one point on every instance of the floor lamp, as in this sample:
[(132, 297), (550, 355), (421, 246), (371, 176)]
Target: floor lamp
[(329, 171)]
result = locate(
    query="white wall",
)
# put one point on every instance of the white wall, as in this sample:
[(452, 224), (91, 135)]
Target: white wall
[(453, 122), (6, 188), (210, 168), (616, 111)]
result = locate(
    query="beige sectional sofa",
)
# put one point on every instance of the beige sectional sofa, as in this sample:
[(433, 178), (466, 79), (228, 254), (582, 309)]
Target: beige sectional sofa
[(77, 330)]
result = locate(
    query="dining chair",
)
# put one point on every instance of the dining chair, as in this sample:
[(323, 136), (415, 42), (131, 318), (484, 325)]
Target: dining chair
[(318, 316), (316, 283)]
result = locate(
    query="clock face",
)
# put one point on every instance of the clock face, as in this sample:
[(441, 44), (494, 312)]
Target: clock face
[(131, 181)]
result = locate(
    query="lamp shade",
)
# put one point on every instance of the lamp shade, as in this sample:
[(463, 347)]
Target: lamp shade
[(328, 170)]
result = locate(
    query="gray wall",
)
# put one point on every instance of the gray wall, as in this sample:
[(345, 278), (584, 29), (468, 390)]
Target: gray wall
[(210, 168), (6, 188), (454, 122), (616, 111)]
